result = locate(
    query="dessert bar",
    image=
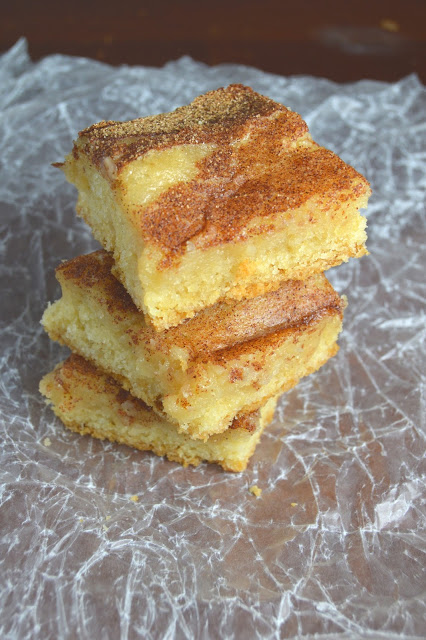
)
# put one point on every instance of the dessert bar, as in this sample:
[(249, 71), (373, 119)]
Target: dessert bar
[(222, 199), (90, 402), (228, 359)]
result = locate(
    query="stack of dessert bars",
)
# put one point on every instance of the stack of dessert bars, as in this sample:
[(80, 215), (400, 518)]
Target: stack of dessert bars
[(209, 298)]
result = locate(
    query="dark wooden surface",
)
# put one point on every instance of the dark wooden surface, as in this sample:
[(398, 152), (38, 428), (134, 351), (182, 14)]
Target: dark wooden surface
[(342, 40)]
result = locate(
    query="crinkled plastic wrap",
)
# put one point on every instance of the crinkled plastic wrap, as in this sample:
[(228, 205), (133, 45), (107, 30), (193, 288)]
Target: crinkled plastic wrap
[(335, 544)]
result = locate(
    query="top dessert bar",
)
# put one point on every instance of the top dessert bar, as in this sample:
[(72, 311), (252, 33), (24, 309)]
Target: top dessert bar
[(222, 199)]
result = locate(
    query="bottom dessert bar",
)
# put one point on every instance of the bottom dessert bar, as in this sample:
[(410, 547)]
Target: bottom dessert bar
[(90, 402)]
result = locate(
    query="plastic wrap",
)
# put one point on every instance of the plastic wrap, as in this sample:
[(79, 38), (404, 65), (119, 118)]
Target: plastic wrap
[(100, 541)]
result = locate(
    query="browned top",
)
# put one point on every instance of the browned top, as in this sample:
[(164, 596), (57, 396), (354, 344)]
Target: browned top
[(276, 170), (221, 331), (218, 116), (76, 372)]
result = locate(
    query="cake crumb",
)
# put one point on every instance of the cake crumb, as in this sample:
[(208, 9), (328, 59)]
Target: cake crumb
[(105, 528), (107, 517), (255, 490), (80, 519), (293, 504), (47, 442), (134, 498)]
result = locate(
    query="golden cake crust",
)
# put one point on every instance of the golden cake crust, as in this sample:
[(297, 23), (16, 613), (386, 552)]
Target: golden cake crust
[(202, 373)]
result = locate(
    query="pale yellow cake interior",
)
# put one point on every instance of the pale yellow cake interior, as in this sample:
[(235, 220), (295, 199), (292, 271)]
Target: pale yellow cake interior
[(89, 402)]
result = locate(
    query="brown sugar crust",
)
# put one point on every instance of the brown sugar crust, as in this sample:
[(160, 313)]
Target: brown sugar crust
[(77, 367), (225, 329), (276, 170)]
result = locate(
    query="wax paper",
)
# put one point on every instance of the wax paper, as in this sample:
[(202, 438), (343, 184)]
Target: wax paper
[(101, 541)]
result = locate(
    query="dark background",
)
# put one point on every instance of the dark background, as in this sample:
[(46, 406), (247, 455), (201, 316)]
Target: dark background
[(342, 40)]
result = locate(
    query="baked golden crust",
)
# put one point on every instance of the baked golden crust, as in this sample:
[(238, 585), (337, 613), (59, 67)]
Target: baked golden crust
[(95, 382), (222, 199)]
